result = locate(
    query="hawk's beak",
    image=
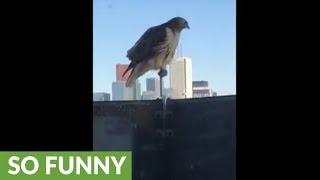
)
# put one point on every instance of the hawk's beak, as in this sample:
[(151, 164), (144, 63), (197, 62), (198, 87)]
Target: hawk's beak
[(188, 26)]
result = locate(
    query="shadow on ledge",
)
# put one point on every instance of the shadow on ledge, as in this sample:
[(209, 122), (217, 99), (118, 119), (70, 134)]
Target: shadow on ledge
[(192, 139)]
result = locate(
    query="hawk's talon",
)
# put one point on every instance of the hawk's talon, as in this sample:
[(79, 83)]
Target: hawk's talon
[(162, 73)]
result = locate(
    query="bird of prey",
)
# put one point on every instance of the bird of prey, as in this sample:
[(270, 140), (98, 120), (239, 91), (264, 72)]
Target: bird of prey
[(155, 49)]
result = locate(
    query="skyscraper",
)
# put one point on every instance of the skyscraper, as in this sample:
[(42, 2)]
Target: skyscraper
[(153, 84), (149, 95), (168, 92), (121, 93), (181, 78), (137, 90), (119, 90), (120, 68), (201, 89), (101, 96)]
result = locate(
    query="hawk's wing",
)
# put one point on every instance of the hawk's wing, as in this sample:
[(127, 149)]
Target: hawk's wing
[(151, 43)]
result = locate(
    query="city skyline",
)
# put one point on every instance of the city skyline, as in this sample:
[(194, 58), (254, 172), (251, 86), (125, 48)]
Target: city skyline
[(181, 84), (211, 45)]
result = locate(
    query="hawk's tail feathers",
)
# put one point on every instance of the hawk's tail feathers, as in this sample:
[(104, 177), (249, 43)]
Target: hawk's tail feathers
[(130, 79), (137, 71), (129, 67)]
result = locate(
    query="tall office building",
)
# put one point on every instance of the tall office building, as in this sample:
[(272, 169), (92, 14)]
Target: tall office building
[(153, 84), (149, 95), (120, 68), (137, 90), (181, 78), (101, 96), (119, 90), (168, 92), (201, 89), (122, 93)]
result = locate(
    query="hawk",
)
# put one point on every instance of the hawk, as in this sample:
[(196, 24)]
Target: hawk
[(155, 49)]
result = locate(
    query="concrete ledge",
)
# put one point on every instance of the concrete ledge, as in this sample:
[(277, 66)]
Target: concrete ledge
[(193, 139)]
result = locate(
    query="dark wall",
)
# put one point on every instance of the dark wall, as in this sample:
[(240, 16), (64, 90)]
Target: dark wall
[(191, 139)]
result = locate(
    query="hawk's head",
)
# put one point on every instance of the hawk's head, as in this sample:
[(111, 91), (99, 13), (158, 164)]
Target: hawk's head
[(178, 23)]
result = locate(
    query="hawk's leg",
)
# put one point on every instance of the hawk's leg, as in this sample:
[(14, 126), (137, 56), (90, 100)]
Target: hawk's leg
[(162, 73)]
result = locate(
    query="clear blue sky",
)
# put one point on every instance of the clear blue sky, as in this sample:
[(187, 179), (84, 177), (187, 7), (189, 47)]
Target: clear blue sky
[(210, 42)]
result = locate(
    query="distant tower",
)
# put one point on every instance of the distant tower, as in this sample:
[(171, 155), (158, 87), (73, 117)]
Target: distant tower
[(137, 90), (120, 68), (201, 89), (120, 91), (100, 96), (153, 84), (181, 78)]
